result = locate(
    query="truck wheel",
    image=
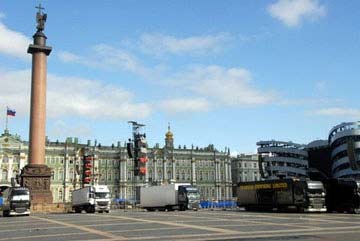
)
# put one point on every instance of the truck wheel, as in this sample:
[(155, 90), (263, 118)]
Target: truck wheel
[(78, 210), (6, 213), (300, 209), (169, 209), (353, 210)]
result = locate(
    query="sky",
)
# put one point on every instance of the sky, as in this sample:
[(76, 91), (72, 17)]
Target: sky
[(228, 73)]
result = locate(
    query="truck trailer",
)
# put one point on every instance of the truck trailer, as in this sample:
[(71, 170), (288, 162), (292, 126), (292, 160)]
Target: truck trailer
[(342, 195), (282, 194), (170, 197), (91, 199), (16, 201)]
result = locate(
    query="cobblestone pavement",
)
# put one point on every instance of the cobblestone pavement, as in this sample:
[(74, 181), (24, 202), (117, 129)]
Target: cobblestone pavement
[(189, 225)]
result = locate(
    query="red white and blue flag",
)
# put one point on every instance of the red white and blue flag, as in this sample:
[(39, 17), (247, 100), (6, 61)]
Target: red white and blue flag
[(10, 112)]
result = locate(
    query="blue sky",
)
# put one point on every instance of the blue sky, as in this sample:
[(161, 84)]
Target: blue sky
[(228, 73)]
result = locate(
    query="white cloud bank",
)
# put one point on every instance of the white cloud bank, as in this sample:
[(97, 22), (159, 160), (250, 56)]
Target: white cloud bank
[(207, 86), (62, 129), (338, 112), (161, 43), (13, 43), (224, 86), (181, 105), (107, 57), (293, 12), (72, 96)]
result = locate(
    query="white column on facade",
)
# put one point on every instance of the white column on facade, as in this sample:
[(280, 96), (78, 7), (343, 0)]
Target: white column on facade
[(193, 172), (123, 178), (10, 169), (216, 179), (147, 173), (226, 180), (173, 165), (229, 182), (164, 179), (155, 175)]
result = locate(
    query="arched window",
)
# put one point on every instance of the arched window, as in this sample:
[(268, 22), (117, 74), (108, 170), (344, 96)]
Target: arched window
[(15, 172), (5, 159), (102, 175), (150, 174), (4, 175), (60, 197), (71, 174), (61, 174), (169, 174)]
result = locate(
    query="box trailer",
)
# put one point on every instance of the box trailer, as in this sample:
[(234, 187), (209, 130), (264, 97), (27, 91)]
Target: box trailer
[(170, 197), (304, 195)]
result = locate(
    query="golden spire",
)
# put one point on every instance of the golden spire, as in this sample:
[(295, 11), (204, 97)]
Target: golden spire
[(169, 134)]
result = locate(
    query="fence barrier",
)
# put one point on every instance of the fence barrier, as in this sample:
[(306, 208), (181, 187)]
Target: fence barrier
[(218, 204)]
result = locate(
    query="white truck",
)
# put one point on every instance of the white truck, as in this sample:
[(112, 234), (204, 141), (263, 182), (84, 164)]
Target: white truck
[(91, 199), (16, 201), (169, 197)]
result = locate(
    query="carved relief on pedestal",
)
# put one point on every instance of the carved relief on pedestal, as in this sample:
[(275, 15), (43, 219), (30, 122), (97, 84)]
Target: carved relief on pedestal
[(37, 179)]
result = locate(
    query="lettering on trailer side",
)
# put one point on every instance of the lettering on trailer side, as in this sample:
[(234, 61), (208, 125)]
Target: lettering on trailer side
[(280, 185)]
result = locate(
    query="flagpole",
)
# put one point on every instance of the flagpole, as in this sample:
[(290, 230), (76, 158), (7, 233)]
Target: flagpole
[(6, 123)]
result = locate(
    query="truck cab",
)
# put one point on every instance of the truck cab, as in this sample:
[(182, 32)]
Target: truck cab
[(315, 196), (189, 198), (101, 194), (16, 201)]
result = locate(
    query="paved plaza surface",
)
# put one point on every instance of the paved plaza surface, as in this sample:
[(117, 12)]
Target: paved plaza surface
[(189, 225)]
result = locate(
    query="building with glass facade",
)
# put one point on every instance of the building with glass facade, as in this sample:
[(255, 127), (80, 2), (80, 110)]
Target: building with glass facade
[(344, 140), (283, 159)]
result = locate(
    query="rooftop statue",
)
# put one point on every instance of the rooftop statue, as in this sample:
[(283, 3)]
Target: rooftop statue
[(40, 19)]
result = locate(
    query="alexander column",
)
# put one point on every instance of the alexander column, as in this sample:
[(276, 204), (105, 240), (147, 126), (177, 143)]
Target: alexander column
[(36, 175)]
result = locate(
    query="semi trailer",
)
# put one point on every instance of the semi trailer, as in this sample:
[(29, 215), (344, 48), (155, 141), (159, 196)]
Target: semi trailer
[(91, 199), (170, 197), (282, 194)]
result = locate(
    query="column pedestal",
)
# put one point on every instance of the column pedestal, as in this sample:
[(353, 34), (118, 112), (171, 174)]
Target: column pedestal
[(37, 178)]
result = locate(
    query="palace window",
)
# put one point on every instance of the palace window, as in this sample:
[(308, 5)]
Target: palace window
[(4, 175), (61, 175), (60, 195)]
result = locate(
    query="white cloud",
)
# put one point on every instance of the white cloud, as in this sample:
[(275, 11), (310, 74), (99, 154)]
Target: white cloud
[(338, 112), (91, 99), (110, 58), (181, 105), (68, 57), (234, 153), (231, 86), (293, 12), (13, 43), (61, 129), (160, 43), (15, 90)]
